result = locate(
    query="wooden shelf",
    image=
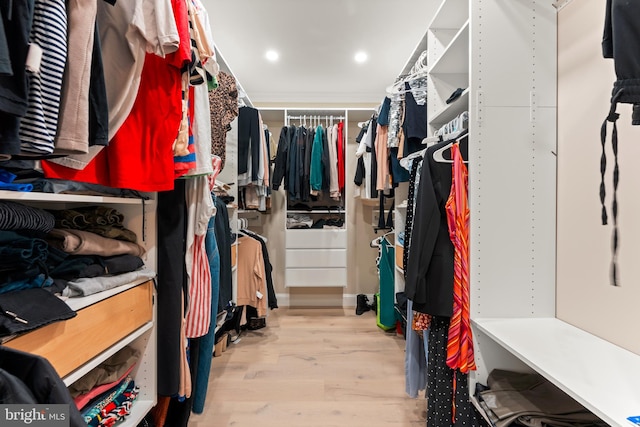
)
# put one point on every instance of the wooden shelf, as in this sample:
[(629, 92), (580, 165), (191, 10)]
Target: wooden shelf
[(455, 58), (90, 365), (600, 375)]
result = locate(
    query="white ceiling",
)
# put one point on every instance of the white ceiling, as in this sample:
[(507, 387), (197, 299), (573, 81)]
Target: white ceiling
[(317, 41)]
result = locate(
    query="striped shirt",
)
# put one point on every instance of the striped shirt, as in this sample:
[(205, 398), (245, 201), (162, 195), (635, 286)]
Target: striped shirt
[(16, 216), (39, 125)]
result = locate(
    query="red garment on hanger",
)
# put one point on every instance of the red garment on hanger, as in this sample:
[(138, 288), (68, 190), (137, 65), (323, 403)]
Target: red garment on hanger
[(140, 155)]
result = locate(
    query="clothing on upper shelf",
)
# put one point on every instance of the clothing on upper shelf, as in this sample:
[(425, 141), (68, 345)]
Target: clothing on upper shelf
[(36, 255), (34, 308), (16, 216)]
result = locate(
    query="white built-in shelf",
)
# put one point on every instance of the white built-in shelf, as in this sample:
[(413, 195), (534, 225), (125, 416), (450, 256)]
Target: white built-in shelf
[(450, 14), (600, 375), (77, 303), (455, 58), (69, 198), (139, 409), (450, 111), (91, 364)]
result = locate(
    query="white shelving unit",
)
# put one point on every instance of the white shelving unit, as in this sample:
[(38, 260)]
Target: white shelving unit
[(139, 217), (510, 81), (448, 56), (455, 56), (601, 376), (317, 258), (513, 245)]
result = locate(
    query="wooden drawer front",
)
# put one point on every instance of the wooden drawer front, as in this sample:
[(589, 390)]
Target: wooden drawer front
[(297, 258), (316, 239), (316, 277), (399, 253), (71, 343)]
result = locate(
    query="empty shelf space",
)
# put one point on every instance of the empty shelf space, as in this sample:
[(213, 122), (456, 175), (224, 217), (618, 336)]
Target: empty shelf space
[(455, 58), (600, 375)]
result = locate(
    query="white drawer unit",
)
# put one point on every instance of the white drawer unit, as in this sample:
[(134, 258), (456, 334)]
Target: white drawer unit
[(319, 258), (316, 258), (316, 277), (316, 239)]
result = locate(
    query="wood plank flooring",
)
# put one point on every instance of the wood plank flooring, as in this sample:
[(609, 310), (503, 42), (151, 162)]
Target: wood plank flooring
[(312, 367)]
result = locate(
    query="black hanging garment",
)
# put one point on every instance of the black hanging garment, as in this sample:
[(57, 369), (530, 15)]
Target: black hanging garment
[(620, 41), (172, 231)]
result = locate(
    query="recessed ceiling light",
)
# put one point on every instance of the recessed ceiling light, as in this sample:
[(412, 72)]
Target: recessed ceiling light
[(361, 57), (272, 55)]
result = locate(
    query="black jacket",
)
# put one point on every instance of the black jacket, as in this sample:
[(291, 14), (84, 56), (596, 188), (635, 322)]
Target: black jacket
[(429, 273), (280, 166), (41, 379)]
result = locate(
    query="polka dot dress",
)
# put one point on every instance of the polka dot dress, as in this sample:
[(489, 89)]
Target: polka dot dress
[(440, 406)]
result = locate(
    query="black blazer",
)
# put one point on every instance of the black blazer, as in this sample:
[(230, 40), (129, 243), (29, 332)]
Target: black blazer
[(429, 276)]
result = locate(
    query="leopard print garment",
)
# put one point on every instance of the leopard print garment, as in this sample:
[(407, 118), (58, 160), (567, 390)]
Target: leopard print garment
[(223, 104)]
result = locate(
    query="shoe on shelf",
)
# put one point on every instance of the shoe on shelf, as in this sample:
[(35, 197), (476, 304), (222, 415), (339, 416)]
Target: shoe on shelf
[(362, 304)]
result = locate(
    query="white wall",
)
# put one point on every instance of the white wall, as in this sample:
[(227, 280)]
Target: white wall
[(585, 297)]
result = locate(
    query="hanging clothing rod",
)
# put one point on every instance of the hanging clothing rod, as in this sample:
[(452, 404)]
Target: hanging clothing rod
[(315, 117)]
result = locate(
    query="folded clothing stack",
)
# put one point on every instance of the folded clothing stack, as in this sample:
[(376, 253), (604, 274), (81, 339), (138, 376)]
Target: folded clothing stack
[(518, 399), (299, 221)]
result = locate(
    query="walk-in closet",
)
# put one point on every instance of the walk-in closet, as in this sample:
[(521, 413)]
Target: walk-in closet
[(312, 214)]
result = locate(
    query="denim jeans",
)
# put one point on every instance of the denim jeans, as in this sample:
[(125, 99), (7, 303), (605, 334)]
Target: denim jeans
[(207, 342)]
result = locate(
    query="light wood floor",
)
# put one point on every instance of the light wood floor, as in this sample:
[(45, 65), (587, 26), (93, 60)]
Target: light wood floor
[(312, 367)]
